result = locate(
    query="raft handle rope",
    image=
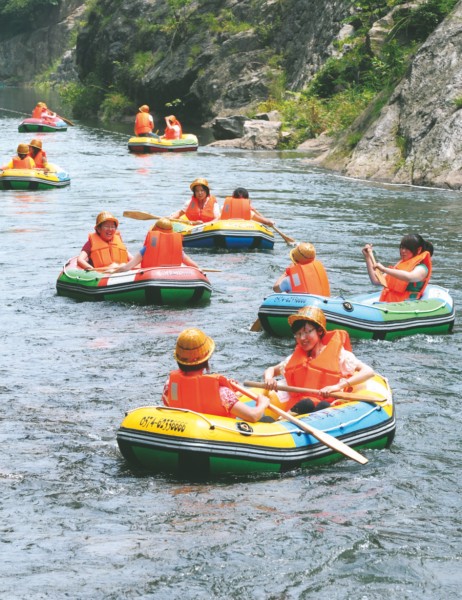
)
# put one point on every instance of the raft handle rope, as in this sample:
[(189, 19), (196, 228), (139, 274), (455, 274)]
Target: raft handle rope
[(102, 274)]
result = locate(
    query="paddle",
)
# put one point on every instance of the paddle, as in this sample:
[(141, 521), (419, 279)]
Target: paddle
[(322, 436), (65, 120), (380, 276), (256, 326), (290, 241), (145, 216), (347, 396)]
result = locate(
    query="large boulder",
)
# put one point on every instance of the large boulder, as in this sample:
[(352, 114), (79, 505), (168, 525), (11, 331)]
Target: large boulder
[(257, 135)]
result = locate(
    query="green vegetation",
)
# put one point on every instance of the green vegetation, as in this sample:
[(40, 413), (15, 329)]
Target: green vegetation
[(21, 15), (345, 86)]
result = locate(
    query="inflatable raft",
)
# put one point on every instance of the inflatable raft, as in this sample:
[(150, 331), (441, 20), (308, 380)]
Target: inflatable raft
[(34, 179), (233, 234), (363, 316), (155, 285), (190, 444), (42, 125), (144, 145)]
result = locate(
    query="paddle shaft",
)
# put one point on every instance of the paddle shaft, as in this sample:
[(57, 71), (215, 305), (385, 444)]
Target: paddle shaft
[(321, 436), (299, 390), (380, 276), (65, 120), (145, 216), (285, 237)]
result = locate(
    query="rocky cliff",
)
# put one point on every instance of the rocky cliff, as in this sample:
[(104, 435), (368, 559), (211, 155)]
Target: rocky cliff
[(417, 139)]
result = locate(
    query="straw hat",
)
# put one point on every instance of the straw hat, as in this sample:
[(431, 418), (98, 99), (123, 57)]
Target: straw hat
[(36, 143), (193, 347), (199, 181), (23, 149), (311, 314), (144, 108), (105, 216), (303, 253), (163, 224)]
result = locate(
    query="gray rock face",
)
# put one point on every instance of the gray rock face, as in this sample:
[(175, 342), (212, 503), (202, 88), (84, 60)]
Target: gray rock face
[(256, 135), (418, 137)]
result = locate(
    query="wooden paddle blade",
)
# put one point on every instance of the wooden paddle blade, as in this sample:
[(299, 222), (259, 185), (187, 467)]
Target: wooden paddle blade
[(69, 122), (139, 214), (256, 326), (322, 436), (288, 240)]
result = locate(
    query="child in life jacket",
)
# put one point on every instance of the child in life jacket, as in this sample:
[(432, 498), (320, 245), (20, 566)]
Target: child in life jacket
[(144, 123), (238, 206), (104, 248), (192, 386), (321, 360), (38, 154), (22, 160), (305, 275), (162, 247), (202, 207), (408, 279), (173, 129)]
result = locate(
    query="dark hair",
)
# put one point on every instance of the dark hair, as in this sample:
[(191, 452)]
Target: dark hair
[(206, 188), (297, 325), (189, 368), (414, 241), (240, 193)]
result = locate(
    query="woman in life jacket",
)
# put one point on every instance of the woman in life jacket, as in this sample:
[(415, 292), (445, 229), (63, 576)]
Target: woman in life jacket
[(408, 279), (22, 160), (202, 207), (238, 206), (173, 129), (37, 154), (104, 248), (162, 247), (306, 274), (41, 111), (144, 123), (192, 386), (321, 360)]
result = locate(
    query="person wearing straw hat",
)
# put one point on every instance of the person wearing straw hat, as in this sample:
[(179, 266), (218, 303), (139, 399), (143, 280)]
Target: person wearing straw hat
[(22, 160), (104, 248), (38, 154), (162, 247), (321, 360), (144, 123), (173, 129), (305, 275), (202, 207), (193, 387), (41, 111)]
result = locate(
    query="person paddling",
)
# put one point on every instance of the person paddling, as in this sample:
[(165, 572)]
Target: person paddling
[(238, 206), (202, 207)]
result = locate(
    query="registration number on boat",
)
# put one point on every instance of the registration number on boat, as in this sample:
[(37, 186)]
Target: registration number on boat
[(162, 423)]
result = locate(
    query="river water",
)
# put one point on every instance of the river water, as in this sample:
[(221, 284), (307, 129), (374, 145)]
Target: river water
[(76, 522)]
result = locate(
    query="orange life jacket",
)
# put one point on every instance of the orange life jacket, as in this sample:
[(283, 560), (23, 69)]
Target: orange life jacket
[(194, 213), (143, 123), (23, 163), (174, 133), (103, 254), (40, 159), (37, 112), (316, 373), (162, 249), (196, 391), (398, 290), (236, 208), (309, 279)]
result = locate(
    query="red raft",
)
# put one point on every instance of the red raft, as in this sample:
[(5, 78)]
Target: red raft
[(154, 285)]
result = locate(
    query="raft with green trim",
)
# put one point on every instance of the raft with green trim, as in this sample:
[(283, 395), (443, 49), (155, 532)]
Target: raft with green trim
[(179, 285), (145, 145), (232, 234), (42, 125), (363, 316), (34, 179), (191, 445)]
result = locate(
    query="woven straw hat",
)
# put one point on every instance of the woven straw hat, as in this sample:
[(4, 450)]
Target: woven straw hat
[(36, 143), (23, 149), (163, 224), (193, 347), (303, 254), (199, 181), (312, 314), (144, 108), (105, 216)]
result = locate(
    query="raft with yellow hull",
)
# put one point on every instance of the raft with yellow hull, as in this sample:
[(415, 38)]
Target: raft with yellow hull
[(233, 234), (190, 444), (34, 179), (144, 145)]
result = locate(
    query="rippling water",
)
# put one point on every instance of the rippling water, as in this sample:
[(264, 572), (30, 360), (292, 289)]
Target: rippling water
[(78, 523)]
